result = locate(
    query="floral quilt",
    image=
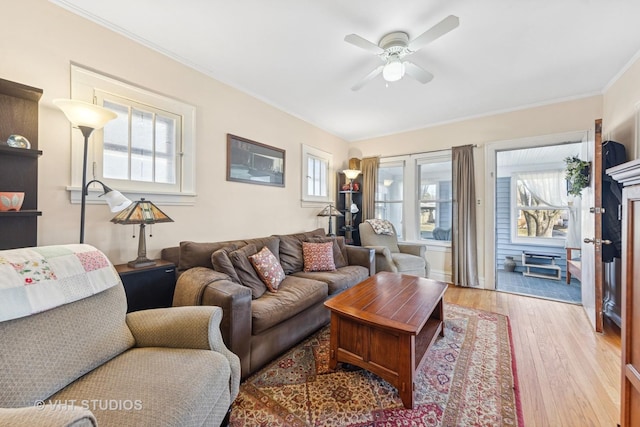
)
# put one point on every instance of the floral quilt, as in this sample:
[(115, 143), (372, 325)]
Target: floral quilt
[(36, 279)]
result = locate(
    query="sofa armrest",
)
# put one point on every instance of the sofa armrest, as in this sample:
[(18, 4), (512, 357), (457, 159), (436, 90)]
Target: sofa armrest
[(204, 286), (184, 327), (383, 260), (365, 257), (47, 415), (412, 249)]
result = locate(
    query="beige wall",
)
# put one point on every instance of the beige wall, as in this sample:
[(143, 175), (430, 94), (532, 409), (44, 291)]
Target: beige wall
[(569, 116), (619, 109), (38, 41)]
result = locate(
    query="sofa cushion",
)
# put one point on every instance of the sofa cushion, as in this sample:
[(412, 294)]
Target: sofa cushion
[(318, 256), (295, 295), (271, 242), (291, 249), (340, 279), (194, 254), (245, 271), (137, 383), (268, 268), (339, 250), (222, 263)]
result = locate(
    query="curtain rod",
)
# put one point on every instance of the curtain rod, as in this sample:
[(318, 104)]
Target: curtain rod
[(422, 152)]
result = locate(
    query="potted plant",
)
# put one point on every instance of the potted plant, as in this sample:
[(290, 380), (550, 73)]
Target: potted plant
[(577, 175)]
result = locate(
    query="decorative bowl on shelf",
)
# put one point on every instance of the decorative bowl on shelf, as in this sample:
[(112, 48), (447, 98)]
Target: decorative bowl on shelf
[(18, 141), (11, 200)]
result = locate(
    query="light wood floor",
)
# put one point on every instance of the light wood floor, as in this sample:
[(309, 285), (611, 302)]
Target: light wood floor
[(568, 374)]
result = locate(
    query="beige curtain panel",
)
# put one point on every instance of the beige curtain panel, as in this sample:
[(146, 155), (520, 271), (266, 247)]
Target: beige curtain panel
[(464, 238), (369, 182)]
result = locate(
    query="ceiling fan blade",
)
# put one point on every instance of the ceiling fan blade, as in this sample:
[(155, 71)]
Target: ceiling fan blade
[(367, 78), (438, 30), (418, 73), (362, 43)]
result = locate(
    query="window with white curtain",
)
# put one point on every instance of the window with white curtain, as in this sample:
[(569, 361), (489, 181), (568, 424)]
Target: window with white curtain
[(540, 212)]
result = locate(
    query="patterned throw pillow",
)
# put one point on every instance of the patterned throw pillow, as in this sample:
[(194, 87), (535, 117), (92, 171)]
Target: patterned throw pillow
[(318, 256), (268, 268), (338, 256)]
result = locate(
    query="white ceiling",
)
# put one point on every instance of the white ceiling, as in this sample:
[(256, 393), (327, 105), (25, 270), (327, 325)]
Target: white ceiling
[(505, 54)]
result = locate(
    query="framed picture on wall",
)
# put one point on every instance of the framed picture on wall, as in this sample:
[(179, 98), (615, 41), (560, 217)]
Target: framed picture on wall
[(254, 163)]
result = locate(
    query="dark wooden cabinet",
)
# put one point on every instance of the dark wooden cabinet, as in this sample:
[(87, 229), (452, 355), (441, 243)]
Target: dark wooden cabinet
[(349, 195), (629, 175), (19, 166), (148, 287)]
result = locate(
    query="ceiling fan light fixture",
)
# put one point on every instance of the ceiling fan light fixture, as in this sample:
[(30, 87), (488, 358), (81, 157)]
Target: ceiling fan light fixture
[(393, 70)]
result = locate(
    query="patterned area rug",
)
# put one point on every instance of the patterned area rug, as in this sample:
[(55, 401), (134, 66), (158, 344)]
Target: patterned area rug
[(468, 379)]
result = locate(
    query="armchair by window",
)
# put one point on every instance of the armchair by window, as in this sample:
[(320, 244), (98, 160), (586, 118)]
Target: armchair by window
[(391, 255)]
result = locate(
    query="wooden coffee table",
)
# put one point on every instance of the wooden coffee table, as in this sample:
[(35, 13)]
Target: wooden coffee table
[(385, 325)]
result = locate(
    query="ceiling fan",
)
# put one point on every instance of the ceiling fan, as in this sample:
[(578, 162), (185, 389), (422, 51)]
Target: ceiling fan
[(395, 46)]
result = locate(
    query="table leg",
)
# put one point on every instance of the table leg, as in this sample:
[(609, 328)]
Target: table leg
[(333, 341)]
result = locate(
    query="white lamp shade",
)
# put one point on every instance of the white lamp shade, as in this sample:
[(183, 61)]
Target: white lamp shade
[(351, 173), (116, 201), (393, 70), (84, 114)]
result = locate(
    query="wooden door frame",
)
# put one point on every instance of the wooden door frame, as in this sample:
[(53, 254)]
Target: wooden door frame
[(598, 274)]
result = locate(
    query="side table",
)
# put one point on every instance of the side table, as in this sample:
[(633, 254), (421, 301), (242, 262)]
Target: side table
[(148, 287)]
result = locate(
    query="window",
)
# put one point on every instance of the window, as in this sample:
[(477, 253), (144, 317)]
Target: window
[(148, 149), (541, 212), (316, 182), (389, 198), (435, 197), (414, 192), (141, 143)]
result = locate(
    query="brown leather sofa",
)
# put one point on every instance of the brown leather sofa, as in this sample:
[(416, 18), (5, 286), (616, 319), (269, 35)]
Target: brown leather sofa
[(259, 328)]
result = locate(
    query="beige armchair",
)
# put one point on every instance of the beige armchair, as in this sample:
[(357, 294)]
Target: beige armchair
[(391, 255), (87, 362)]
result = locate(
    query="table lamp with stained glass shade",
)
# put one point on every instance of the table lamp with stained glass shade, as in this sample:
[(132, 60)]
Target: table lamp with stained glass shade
[(330, 211), (142, 212)]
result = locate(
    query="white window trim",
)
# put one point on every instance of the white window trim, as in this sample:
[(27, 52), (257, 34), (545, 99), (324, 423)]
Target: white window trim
[(84, 84), (308, 151)]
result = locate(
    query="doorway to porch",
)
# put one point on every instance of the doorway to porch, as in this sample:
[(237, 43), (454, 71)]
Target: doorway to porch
[(535, 221)]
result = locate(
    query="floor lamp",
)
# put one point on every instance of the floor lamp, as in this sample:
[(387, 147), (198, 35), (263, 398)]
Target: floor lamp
[(87, 117)]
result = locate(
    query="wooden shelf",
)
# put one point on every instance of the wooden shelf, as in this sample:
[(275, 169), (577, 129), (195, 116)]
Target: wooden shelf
[(25, 152), (19, 166), (24, 212)]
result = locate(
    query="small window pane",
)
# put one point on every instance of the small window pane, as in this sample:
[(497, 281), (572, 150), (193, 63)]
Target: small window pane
[(165, 165), (435, 200), (116, 143), (141, 145), (317, 182), (389, 196)]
